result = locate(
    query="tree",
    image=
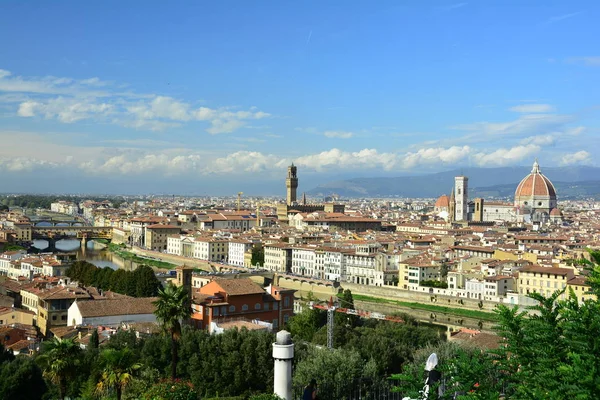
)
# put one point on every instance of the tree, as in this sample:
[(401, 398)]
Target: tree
[(335, 370), (59, 360), (172, 307), (21, 379), (94, 340), (304, 325), (118, 369), (145, 282), (258, 256)]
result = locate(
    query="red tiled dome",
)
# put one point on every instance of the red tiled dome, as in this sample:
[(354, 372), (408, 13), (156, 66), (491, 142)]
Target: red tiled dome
[(555, 212), (535, 184), (443, 201)]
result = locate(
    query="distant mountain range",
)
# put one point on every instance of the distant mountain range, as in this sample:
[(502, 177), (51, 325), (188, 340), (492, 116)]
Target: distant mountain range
[(570, 182)]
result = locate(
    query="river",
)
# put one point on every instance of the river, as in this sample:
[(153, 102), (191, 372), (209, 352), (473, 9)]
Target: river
[(95, 253)]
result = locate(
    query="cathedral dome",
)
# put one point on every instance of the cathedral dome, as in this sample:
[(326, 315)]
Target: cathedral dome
[(442, 201), (555, 212), (535, 185)]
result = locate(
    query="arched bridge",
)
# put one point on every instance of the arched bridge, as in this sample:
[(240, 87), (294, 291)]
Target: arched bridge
[(80, 232)]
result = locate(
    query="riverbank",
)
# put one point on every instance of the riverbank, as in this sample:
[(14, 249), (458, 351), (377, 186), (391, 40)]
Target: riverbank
[(481, 315), (121, 251)]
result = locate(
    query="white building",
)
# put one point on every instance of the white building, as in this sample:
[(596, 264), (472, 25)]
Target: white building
[(303, 261), (237, 250)]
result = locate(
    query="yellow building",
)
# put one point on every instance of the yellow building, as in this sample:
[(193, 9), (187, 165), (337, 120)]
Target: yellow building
[(54, 306), (9, 316), (157, 236), (581, 288), (543, 280)]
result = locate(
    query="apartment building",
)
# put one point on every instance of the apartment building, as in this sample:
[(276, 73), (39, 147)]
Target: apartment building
[(225, 300), (543, 280), (278, 257), (54, 304), (157, 235), (211, 249), (237, 250), (303, 261)]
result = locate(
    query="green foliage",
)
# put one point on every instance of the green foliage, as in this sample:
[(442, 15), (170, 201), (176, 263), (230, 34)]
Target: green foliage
[(20, 379), (265, 397), (258, 256), (118, 368), (230, 364), (119, 249), (434, 284), (140, 283), (304, 325), (11, 247), (337, 368), (59, 360), (171, 390), (172, 307), (94, 340), (549, 353)]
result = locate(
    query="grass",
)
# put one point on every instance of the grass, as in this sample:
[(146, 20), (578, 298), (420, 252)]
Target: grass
[(482, 315), (127, 255), (103, 241)]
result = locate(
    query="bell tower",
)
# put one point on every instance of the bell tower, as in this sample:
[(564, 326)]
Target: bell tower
[(291, 184)]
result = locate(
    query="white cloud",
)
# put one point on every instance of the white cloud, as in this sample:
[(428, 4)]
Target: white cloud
[(593, 61), (432, 155), (69, 100), (528, 124), (580, 157), (24, 164), (245, 162), (540, 140), (338, 134), (365, 158), (533, 108), (67, 110), (503, 156)]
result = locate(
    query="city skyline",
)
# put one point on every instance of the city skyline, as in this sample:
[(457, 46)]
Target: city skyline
[(209, 96)]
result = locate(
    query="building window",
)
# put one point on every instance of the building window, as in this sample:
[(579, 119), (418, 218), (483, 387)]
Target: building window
[(245, 307), (275, 306), (286, 302), (285, 318), (257, 306), (275, 323), (266, 307), (54, 318)]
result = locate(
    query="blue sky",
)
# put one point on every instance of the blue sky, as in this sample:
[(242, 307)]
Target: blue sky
[(210, 97)]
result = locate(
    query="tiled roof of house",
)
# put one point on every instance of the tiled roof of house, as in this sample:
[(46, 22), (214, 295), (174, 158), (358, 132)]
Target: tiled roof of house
[(122, 306), (238, 287)]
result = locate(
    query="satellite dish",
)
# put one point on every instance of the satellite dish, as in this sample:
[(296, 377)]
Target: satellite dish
[(432, 362)]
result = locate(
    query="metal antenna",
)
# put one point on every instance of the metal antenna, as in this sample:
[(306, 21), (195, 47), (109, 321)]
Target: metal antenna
[(330, 312), (330, 319)]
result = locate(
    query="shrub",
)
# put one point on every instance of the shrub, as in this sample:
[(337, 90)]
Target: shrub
[(171, 390)]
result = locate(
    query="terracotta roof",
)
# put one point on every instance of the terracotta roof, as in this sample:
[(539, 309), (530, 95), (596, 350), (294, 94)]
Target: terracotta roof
[(161, 226), (477, 339), (123, 306), (238, 287), (443, 201), (535, 184)]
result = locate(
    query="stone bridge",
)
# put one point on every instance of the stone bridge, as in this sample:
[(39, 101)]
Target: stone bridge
[(80, 232)]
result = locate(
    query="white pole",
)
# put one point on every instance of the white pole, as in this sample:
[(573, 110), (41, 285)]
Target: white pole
[(283, 353)]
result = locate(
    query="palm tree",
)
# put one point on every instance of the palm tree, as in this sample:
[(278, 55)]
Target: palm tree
[(118, 369), (59, 360), (172, 307)]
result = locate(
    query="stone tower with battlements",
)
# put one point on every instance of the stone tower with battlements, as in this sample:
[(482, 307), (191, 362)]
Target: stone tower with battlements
[(291, 184)]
